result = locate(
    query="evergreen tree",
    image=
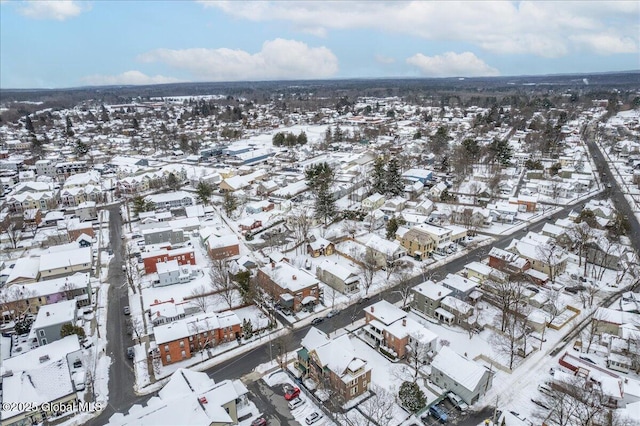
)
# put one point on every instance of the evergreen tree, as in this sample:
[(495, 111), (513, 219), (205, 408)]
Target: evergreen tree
[(104, 114), (302, 138), (379, 181), (247, 328), (135, 123), (81, 149), (320, 178), (328, 135), (500, 151), (278, 139), (28, 125), (173, 182), (68, 329), (411, 396), (204, 192), (140, 204), (392, 227), (69, 127), (229, 204), (393, 178), (440, 141), (37, 147)]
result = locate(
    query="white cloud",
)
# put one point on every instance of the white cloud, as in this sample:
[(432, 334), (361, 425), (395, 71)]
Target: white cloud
[(606, 44), (58, 10), (451, 64), (278, 59), (504, 27), (127, 78)]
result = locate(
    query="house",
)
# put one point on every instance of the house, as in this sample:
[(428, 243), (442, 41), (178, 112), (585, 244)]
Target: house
[(417, 175), (172, 272), (86, 211), (373, 201), (259, 207), (436, 190), (385, 252), (547, 258), (25, 270), (23, 298), (460, 310), (427, 298), (42, 376), (481, 272), (453, 372), (182, 339), (166, 312), (525, 203), (184, 256), (162, 234), (508, 262), (293, 288), (190, 398), (171, 200), (60, 262), (425, 207), (503, 212), (75, 228), (422, 240), (460, 286), (333, 364), (341, 278), (50, 319), (395, 204), (223, 247), (318, 246), (390, 330), (249, 223)]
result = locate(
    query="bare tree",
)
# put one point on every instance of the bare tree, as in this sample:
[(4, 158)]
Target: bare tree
[(551, 255), (580, 234), (379, 406), (13, 300), (201, 297), (130, 267), (505, 295), (301, 224), (221, 281), (13, 227), (403, 285), (283, 345), (367, 266), (417, 353)]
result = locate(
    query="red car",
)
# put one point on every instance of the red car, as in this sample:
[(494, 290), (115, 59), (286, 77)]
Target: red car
[(291, 393), (259, 422)]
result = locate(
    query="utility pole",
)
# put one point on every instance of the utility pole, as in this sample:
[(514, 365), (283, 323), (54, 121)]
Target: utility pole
[(495, 411)]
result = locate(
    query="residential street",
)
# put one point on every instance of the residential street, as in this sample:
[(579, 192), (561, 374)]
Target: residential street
[(121, 395)]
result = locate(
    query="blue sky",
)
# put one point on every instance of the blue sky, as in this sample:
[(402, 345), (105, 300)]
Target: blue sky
[(52, 44)]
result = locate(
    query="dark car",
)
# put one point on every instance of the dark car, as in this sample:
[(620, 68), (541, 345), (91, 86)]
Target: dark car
[(317, 321), (259, 422), (131, 353)]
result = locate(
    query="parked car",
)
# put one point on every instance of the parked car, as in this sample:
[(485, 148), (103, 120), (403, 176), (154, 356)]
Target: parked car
[(131, 353), (291, 393), (438, 413), (317, 321), (127, 310), (457, 402), (259, 422), (312, 418), (295, 403), (332, 313)]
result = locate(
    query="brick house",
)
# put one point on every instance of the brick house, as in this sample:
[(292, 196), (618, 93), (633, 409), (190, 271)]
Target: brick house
[(388, 328), (508, 262), (249, 224), (181, 339), (333, 365), (293, 288), (223, 247), (184, 256), (75, 228)]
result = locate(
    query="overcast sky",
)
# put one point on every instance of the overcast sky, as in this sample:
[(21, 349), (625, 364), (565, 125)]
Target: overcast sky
[(51, 44)]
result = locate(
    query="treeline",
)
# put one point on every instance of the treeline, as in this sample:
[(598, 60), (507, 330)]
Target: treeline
[(289, 139)]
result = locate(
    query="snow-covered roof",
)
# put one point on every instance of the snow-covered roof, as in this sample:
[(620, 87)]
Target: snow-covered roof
[(67, 258), (458, 283), (432, 291), (289, 277), (314, 339), (25, 267), (385, 312), (56, 313), (343, 272), (222, 241), (463, 371)]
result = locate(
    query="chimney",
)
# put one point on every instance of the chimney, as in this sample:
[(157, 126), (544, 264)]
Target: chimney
[(439, 293), (48, 313), (404, 322), (158, 314), (202, 400), (372, 309), (293, 277), (273, 265)]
